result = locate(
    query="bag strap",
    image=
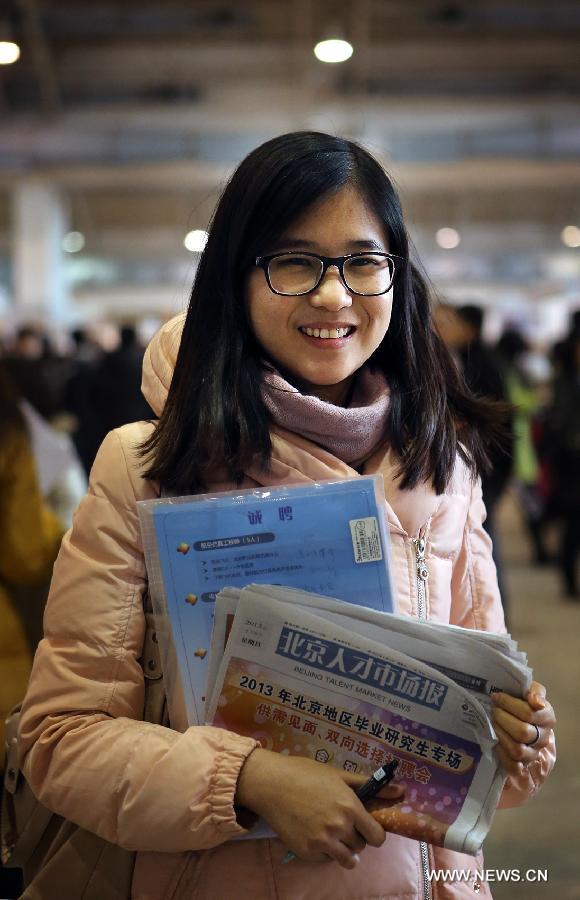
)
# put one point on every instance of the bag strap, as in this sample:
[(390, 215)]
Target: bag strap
[(154, 705), (35, 816), (151, 659)]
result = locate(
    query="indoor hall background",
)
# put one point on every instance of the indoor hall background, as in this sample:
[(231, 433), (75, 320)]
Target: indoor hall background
[(121, 121)]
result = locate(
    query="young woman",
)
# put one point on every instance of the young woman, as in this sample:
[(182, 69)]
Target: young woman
[(307, 352)]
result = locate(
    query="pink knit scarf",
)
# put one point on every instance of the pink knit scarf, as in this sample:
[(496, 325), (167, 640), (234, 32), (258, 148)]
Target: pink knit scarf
[(351, 433)]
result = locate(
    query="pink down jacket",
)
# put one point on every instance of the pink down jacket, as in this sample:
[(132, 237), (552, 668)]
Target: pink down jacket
[(169, 795)]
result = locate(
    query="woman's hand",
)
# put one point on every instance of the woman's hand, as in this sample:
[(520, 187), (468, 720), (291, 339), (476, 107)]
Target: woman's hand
[(312, 807), (523, 727)]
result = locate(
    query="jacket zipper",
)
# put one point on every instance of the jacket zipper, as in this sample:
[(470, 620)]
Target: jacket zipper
[(422, 576), (422, 573)]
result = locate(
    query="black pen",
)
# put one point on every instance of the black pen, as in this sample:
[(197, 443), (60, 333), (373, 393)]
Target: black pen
[(366, 791), (378, 780)]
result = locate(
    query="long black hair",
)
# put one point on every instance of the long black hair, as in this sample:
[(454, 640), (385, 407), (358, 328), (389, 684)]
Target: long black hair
[(214, 415)]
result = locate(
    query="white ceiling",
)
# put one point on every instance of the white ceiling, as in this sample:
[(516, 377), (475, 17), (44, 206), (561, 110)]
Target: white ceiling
[(139, 110)]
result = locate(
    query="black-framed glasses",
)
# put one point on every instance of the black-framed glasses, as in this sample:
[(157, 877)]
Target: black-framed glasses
[(294, 273)]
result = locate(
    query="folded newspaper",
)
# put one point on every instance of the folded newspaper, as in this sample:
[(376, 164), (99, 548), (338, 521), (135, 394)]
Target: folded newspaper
[(354, 687)]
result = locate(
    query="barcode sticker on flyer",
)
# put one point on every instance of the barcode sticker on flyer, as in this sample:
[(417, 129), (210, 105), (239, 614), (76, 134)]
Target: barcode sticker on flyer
[(366, 541)]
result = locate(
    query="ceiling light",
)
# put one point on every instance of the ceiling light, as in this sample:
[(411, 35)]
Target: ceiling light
[(571, 236), (73, 242), (448, 238), (334, 50), (9, 53), (195, 240)]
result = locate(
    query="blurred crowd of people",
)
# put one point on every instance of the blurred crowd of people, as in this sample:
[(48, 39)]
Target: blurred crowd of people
[(86, 391), (541, 456)]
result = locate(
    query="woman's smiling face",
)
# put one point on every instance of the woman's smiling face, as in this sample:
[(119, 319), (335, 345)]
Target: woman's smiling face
[(334, 226)]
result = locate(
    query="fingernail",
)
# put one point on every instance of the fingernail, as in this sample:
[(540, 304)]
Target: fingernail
[(356, 858), (539, 701)]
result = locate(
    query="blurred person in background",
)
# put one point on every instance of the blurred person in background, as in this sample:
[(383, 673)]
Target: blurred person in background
[(561, 350), (61, 477), (31, 536), (85, 349), (117, 390), (574, 331), (461, 329), (485, 377), (22, 360), (512, 349), (79, 400), (561, 442), (39, 374)]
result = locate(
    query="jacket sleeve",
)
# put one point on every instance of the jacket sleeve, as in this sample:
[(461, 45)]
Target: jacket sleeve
[(476, 603), (85, 751)]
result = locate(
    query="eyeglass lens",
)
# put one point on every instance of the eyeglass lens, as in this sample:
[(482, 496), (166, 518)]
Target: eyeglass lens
[(296, 274)]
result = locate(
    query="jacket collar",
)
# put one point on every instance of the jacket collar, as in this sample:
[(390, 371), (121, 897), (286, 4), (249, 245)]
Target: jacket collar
[(296, 460)]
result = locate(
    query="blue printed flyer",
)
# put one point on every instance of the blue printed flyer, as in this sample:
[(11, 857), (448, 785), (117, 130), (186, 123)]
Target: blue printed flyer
[(326, 537)]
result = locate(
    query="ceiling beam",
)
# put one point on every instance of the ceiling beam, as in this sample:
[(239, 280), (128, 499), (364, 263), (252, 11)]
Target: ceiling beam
[(42, 58), (411, 178)]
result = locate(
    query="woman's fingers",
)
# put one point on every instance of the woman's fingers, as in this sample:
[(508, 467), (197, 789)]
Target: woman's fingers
[(345, 851), (346, 847), (521, 732), (521, 709), (389, 796), (523, 727), (367, 832), (537, 695), (355, 841), (344, 856), (391, 792), (368, 828), (514, 756), (509, 765)]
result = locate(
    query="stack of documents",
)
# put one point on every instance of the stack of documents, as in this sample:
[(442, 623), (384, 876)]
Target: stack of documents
[(353, 687), (329, 537)]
